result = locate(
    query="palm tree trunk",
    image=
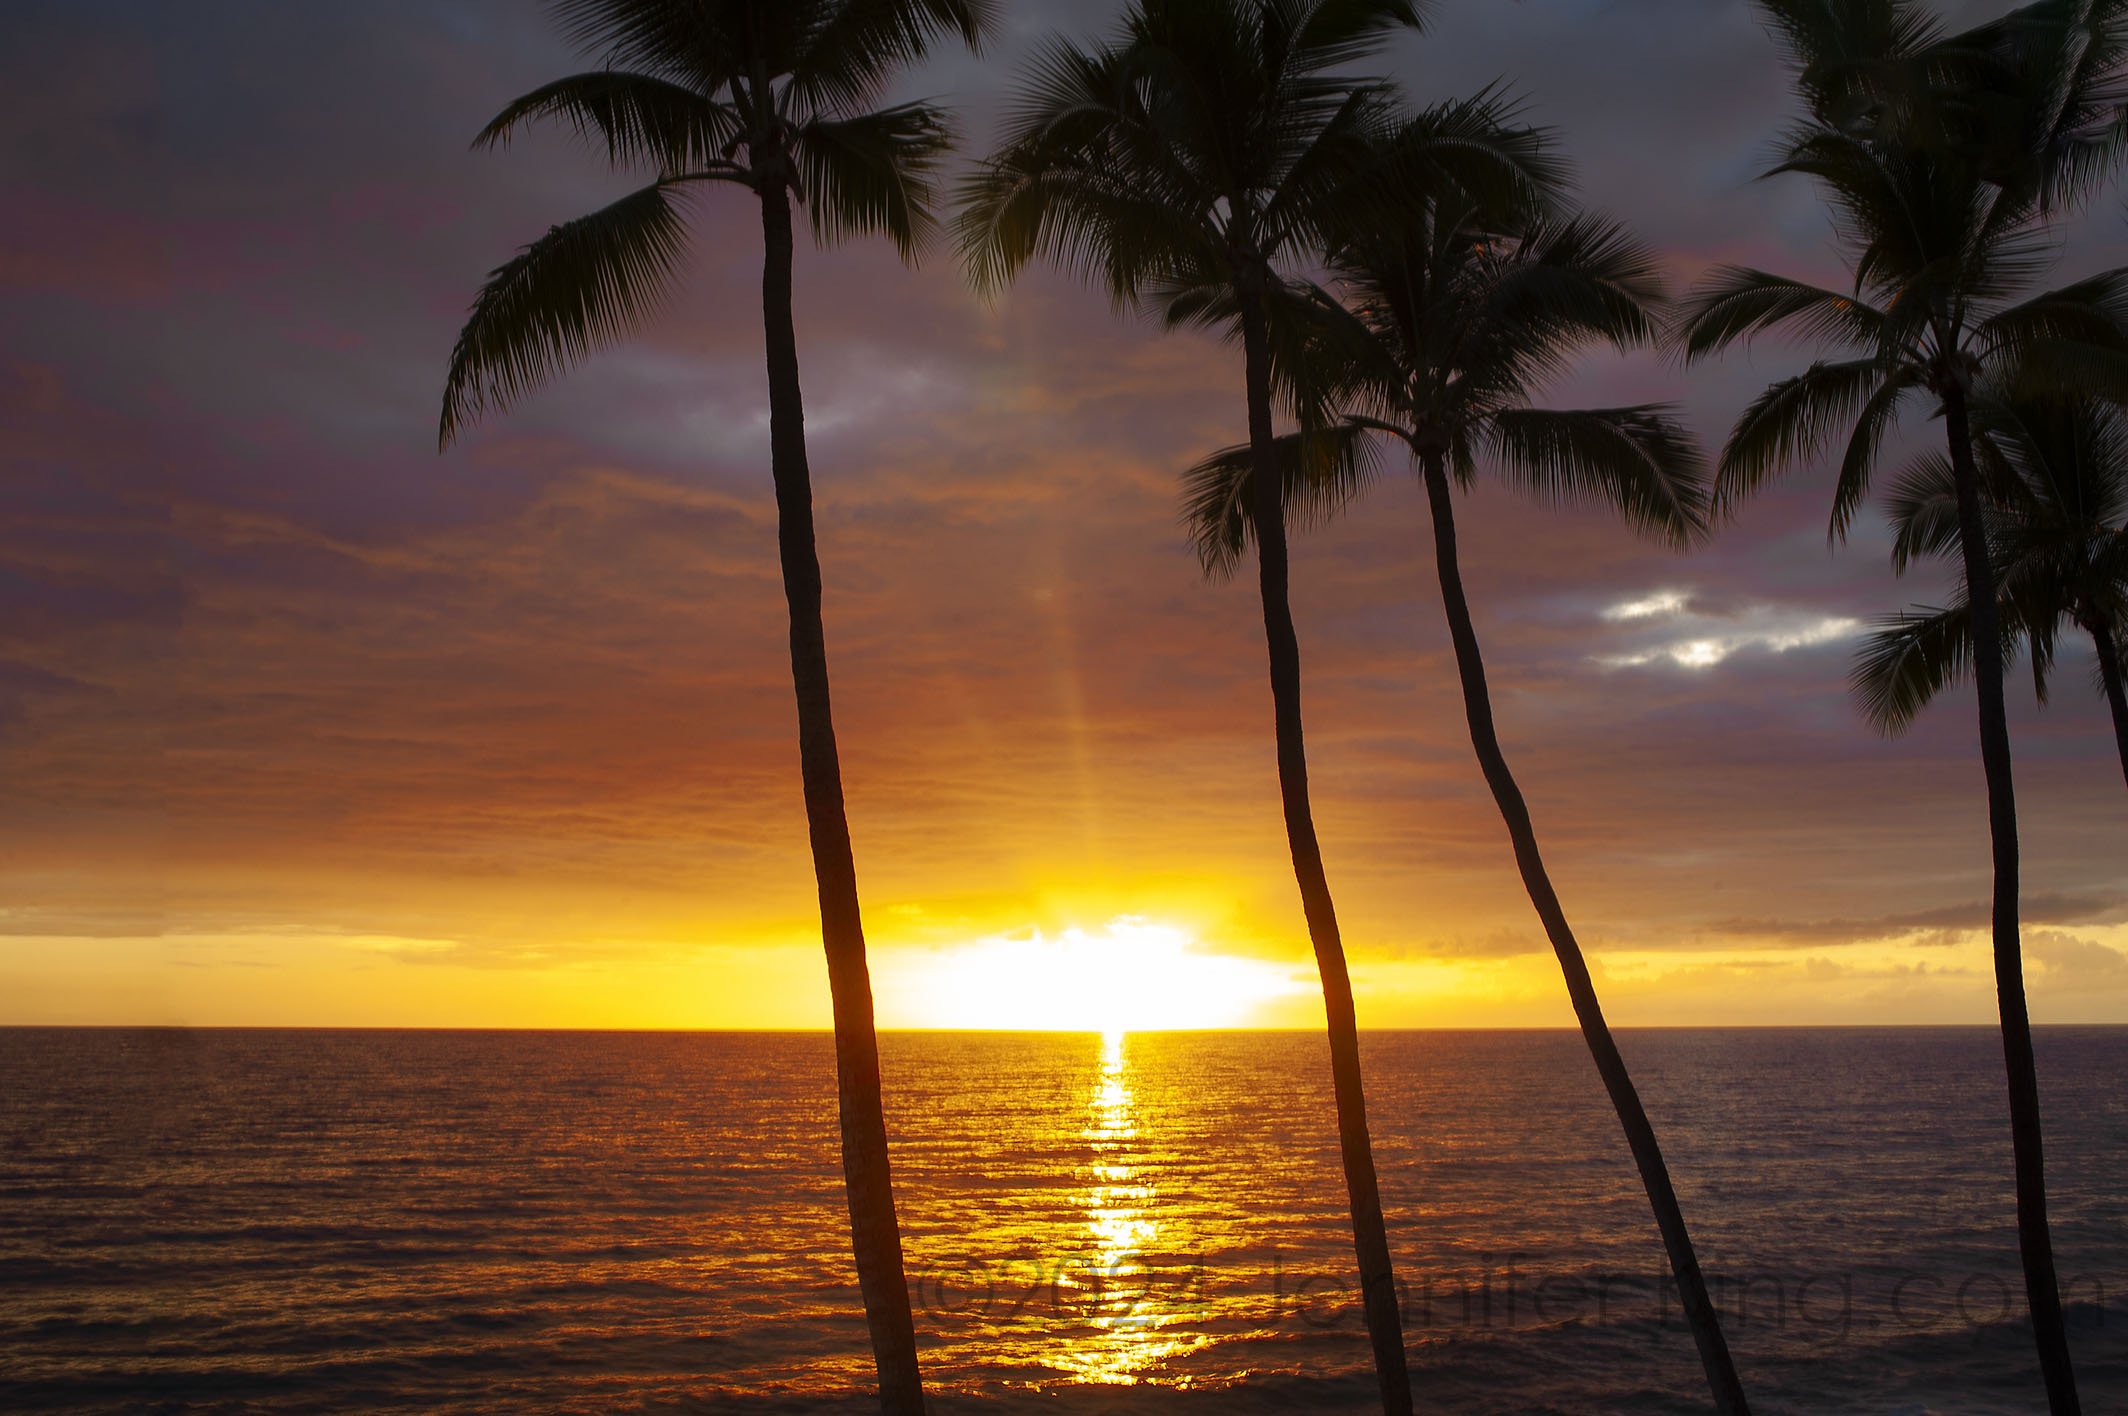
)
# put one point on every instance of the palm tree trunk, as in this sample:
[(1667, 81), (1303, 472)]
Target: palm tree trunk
[(866, 1180), (1640, 1134), (2109, 672), (2042, 1294), (1385, 1328)]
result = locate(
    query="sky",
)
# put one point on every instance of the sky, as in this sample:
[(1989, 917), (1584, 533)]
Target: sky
[(304, 723)]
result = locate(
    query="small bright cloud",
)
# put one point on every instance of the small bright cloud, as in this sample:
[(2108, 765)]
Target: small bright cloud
[(1662, 603), (1699, 653), (1697, 639), (398, 945)]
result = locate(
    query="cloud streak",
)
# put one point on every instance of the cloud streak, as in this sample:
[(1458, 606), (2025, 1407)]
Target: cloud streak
[(1671, 631)]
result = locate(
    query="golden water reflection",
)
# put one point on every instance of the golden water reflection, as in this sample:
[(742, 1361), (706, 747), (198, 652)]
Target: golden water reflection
[(1126, 1312)]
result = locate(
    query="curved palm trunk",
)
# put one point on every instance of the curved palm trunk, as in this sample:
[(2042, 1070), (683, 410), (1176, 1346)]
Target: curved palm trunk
[(1385, 1328), (869, 1186), (2109, 672), (2042, 1293), (1640, 1134)]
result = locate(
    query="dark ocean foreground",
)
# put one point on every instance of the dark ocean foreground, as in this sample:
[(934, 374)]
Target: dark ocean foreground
[(243, 1221)]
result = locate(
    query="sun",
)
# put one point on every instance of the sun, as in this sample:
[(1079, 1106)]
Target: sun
[(1130, 975)]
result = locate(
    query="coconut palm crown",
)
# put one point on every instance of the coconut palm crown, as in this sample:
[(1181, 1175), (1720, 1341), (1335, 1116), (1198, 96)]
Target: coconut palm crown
[(780, 100)]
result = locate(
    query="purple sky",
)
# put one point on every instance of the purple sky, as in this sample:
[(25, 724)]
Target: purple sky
[(272, 672)]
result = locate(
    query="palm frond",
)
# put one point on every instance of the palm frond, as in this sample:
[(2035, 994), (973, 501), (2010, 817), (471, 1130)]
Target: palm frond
[(1329, 34), (2092, 312), (2074, 368), (639, 118), (1911, 657), (1056, 188), (1078, 217), (1575, 278), (1323, 470), (2058, 97), (1875, 419), (1889, 211), (844, 62), (1737, 302), (580, 287), (1480, 146), (1790, 422), (1923, 508), (1334, 175), (874, 174), (1640, 460), (1854, 61), (699, 42), (1907, 661), (1322, 358), (2107, 579)]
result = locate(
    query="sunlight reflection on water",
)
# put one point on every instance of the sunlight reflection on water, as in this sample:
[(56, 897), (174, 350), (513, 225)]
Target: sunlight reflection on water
[(1126, 1338)]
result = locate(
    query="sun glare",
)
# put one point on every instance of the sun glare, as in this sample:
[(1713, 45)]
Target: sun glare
[(1132, 975)]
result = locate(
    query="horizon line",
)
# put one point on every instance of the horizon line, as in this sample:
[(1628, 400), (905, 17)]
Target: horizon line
[(829, 1032)]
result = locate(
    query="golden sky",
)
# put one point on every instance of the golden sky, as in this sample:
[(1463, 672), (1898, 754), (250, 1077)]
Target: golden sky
[(300, 723)]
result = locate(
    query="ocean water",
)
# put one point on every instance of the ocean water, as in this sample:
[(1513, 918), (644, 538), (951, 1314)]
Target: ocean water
[(266, 1221)]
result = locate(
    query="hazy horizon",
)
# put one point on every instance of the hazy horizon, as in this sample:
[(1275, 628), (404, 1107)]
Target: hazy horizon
[(1566, 1029)]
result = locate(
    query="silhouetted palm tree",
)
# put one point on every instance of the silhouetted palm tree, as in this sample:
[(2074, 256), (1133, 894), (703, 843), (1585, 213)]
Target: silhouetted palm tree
[(1945, 159), (1456, 322), (1188, 163), (781, 100), (2056, 473)]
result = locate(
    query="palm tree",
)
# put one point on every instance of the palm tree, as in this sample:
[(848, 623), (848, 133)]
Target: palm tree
[(1187, 164), (2057, 513), (1456, 323), (1943, 203), (783, 101)]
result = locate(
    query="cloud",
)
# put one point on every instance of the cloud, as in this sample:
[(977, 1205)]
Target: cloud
[(1679, 635), (1940, 925), (1662, 604), (59, 922), (399, 948), (2071, 964)]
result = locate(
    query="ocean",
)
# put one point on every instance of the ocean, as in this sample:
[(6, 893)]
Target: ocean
[(472, 1222)]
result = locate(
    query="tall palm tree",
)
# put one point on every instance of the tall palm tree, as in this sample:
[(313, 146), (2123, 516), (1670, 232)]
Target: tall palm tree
[(2056, 473), (1942, 210), (783, 101), (1456, 322), (1188, 163)]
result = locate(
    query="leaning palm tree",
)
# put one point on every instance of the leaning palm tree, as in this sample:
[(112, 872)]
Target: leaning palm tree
[(1455, 323), (2057, 513), (782, 101), (1943, 209), (1189, 164)]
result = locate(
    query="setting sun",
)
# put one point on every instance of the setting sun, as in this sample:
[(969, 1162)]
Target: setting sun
[(1131, 975)]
